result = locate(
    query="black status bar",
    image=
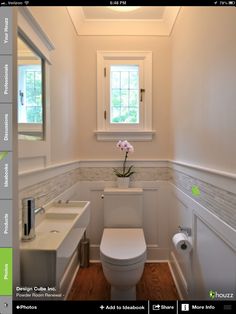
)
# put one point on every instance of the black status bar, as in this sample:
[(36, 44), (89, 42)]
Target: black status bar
[(117, 3)]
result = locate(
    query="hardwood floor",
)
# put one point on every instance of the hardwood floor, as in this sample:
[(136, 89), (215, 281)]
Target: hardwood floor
[(155, 284)]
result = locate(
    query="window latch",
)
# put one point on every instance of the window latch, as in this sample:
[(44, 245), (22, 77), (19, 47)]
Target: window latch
[(142, 90), (105, 114), (21, 94)]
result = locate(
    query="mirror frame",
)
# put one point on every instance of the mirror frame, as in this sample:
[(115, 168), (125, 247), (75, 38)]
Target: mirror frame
[(36, 154), (29, 43)]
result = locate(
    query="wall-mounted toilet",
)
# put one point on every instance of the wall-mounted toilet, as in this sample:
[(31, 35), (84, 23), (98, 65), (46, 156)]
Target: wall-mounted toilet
[(123, 246)]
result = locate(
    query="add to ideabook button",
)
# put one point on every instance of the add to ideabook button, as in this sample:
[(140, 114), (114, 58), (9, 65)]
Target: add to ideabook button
[(5, 175)]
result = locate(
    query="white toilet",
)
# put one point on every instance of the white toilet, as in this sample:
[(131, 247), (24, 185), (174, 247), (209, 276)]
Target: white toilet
[(123, 246)]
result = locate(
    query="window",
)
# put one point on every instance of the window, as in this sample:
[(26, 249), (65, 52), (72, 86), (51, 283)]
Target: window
[(124, 94), (30, 92), (124, 106)]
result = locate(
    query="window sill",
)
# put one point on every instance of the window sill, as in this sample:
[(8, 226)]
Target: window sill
[(128, 135)]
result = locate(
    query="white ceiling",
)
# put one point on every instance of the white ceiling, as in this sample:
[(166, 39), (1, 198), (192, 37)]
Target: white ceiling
[(145, 21), (142, 13)]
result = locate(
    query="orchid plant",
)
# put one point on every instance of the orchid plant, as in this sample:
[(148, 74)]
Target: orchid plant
[(126, 147)]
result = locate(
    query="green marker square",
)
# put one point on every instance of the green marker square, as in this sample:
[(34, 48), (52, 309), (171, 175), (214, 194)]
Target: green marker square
[(5, 271), (3, 155), (195, 190)]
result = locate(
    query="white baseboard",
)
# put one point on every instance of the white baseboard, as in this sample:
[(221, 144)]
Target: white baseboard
[(178, 277), (175, 280)]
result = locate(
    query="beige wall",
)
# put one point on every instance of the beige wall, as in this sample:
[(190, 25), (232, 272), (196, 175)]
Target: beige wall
[(194, 70), (56, 23), (87, 48), (203, 91)]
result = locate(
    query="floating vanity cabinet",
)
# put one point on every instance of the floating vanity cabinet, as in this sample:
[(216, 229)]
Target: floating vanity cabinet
[(51, 259)]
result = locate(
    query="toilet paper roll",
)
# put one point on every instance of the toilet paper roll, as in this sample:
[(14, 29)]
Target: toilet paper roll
[(182, 243)]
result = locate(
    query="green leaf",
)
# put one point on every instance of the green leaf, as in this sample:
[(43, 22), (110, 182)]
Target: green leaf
[(120, 174), (127, 173), (117, 172)]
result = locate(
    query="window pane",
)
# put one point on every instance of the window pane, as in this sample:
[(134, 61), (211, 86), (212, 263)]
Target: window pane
[(134, 79), (115, 98), (33, 89), (124, 94), (124, 81), (124, 97), (115, 80), (133, 115), (34, 114), (134, 98)]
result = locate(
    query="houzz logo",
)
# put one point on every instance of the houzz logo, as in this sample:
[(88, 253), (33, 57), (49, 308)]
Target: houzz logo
[(212, 294), (215, 295)]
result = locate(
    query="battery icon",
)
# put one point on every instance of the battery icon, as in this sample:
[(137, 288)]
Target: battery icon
[(231, 2), (228, 307)]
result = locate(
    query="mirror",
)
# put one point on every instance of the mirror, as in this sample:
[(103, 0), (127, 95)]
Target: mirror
[(30, 95)]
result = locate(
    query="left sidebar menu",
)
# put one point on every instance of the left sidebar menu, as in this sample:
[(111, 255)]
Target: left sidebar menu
[(6, 148)]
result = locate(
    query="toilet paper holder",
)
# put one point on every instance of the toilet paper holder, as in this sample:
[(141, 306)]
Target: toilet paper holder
[(186, 230)]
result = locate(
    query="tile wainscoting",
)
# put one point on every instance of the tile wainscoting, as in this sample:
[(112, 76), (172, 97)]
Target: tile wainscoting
[(45, 191), (220, 202), (141, 174), (217, 199)]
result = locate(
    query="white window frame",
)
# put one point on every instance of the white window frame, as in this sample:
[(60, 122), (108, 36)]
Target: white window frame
[(106, 131)]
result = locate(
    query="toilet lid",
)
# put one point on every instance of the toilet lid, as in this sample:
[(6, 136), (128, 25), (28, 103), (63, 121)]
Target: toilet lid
[(123, 246)]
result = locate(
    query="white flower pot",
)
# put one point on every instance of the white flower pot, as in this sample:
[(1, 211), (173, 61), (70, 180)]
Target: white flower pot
[(123, 182)]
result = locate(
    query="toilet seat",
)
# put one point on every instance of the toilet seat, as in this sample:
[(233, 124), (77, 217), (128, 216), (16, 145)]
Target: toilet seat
[(123, 246)]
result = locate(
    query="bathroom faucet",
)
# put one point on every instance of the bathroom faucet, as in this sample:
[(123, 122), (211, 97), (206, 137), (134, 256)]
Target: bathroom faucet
[(28, 218)]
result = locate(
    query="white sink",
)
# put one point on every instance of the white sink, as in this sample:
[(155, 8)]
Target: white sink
[(71, 207), (53, 253), (57, 223)]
